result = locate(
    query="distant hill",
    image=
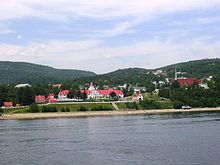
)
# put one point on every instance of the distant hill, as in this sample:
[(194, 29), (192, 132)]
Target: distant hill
[(135, 76), (198, 68), (141, 76), (21, 72)]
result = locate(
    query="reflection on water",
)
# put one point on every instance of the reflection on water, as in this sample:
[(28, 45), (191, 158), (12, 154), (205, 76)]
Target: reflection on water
[(156, 139)]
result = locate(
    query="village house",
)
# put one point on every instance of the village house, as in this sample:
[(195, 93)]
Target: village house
[(51, 98), (137, 96), (136, 89), (40, 99), (63, 95), (187, 82), (22, 85), (56, 85), (8, 104)]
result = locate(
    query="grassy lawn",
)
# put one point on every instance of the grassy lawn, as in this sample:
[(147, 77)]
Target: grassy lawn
[(121, 106), (76, 107), (15, 110)]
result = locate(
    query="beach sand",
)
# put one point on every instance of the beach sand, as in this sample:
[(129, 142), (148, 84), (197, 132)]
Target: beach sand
[(26, 116)]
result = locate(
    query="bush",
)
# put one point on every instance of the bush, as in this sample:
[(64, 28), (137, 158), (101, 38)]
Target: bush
[(1, 111), (34, 108), (82, 108), (67, 109), (48, 109), (100, 108), (177, 104), (150, 104), (63, 109)]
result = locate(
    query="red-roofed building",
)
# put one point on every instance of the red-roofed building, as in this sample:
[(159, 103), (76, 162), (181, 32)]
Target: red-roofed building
[(51, 98), (187, 82), (137, 96), (63, 94), (98, 94), (56, 85), (40, 99), (92, 93), (8, 104)]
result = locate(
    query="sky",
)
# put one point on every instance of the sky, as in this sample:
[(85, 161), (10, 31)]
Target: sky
[(106, 35)]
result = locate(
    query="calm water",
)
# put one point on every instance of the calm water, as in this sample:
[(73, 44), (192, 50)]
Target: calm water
[(149, 140)]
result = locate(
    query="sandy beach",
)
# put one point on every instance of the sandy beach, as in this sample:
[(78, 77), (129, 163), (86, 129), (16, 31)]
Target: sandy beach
[(26, 116)]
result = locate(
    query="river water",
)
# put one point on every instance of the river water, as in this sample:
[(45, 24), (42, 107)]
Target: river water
[(179, 139)]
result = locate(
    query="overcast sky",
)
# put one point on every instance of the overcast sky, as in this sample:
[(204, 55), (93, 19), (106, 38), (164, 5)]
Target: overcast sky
[(105, 35)]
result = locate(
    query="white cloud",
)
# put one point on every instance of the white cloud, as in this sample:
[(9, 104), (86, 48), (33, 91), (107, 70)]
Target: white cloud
[(101, 9), (5, 30), (90, 56)]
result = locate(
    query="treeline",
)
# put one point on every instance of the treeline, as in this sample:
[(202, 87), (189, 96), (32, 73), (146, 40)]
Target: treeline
[(194, 96), (24, 95), (131, 76)]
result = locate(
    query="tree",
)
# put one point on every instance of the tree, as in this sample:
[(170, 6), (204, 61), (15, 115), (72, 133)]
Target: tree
[(25, 95), (164, 92), (112, 95), (71, 94), (83, 95), (177, 104)]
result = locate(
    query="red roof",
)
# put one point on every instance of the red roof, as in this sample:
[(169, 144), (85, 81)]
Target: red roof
[(107, 92), (86, 91), (50, 96), (188, 81), (136, 95), (8, 104), (40, 99), (53, 100), (104, 92), (64, 92)]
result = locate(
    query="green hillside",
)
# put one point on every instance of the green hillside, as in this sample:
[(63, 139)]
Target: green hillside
[(198, 68), (141, 76), (21, 72)]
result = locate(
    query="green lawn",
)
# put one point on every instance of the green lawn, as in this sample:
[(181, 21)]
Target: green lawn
[(15, 110), (76, 107)]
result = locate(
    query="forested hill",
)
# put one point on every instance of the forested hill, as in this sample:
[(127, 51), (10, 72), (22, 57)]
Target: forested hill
[(135, 76), (198, 68), (140, 76), (21, 72)]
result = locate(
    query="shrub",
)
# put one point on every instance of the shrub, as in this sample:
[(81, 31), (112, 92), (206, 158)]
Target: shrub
[(34, 108), (48, 109), (82, 108), (1, 111), (150, 104), (67, 109), (63, 109), (177, 104)]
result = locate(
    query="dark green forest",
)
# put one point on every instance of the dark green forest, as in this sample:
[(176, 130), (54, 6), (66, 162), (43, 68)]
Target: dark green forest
[(21, 72), (198, 68)]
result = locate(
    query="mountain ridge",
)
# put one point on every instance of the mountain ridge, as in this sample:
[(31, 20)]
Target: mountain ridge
[(23, 72)]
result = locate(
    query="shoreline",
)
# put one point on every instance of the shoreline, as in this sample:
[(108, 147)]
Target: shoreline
[(29, 116)]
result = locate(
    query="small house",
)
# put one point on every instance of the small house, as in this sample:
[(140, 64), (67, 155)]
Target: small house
[(8, 104), (137, 96), (40, 99)]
